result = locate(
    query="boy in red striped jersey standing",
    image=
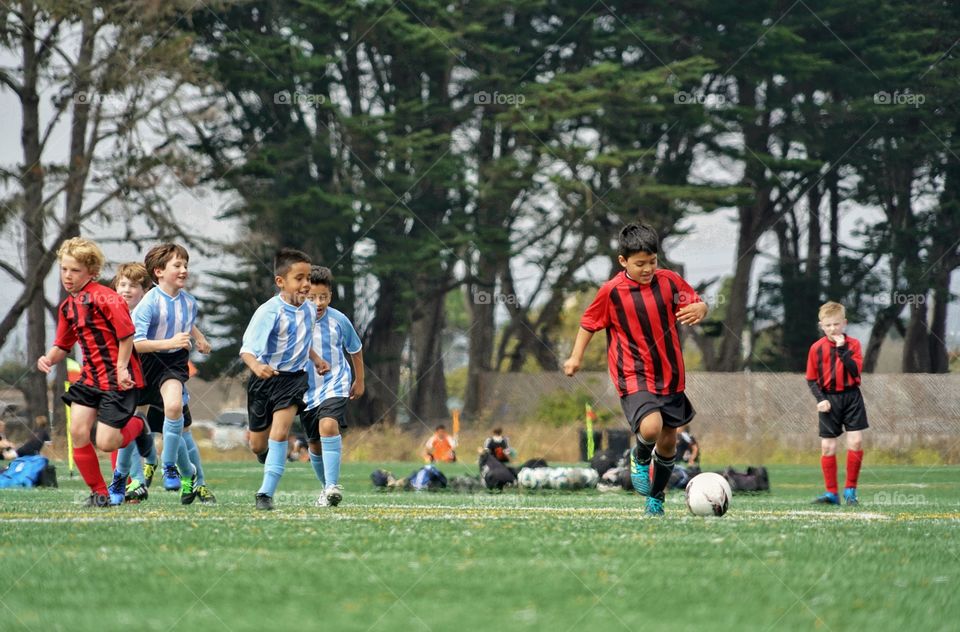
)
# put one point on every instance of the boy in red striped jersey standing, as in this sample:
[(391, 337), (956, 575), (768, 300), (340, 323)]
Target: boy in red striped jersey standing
[(833, 374), (639, 309), (97, 318)]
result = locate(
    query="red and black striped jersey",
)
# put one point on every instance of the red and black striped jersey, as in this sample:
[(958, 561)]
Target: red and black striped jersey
[(643, 344), (835, 369), (98, 319)]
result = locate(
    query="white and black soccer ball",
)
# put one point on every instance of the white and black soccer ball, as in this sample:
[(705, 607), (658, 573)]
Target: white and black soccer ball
[(708, 494)]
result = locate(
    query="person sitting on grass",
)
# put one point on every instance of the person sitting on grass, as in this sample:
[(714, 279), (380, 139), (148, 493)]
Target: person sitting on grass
[(498, 446)]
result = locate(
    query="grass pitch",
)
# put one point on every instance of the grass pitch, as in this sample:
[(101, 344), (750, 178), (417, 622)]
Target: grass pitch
[(511, 561)]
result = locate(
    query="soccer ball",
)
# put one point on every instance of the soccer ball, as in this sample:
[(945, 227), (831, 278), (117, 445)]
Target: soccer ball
[(708, 494)]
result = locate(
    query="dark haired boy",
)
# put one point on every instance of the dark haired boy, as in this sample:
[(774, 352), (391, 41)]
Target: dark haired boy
[(278, 348), (639, 309), (334, 337)]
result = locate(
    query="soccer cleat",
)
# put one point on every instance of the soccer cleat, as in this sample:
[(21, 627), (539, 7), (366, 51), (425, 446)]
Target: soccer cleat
[(144, 440), (262, 456), (322, 500), (639, 474), (205, 495), (334, 494), (117, 489), (148, 471), (136, 492), (654, 506), (171, 478), (850, 496), (97, 500), (829, 498), (264, 502), (187, 491)]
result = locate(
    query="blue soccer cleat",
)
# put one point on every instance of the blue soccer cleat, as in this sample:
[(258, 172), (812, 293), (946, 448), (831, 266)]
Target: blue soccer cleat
[(654, 506), (850, 496), (171, 478), (639, 474), (118, 489), (829, 498)]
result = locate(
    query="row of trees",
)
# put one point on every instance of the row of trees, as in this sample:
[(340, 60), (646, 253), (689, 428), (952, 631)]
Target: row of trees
[(422, 149)]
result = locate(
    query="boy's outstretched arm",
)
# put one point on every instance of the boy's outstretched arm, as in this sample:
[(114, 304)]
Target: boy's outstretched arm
[(203, 346), (572, 365), (357, 388), (52, 358)]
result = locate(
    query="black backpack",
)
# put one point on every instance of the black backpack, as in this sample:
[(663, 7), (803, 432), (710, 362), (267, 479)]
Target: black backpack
[(604, 460), (755, 479), (495, 474)]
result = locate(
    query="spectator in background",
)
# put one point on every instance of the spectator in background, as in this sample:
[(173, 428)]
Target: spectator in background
[(7, 450), (688, 450), (39, 437), (440, 447), (498, 446)]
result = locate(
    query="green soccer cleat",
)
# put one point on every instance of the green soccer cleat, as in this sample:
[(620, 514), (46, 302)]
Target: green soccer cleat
[(136, 492), (187, 492)]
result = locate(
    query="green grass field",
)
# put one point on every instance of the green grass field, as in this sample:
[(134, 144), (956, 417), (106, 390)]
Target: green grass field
[(441, 561)]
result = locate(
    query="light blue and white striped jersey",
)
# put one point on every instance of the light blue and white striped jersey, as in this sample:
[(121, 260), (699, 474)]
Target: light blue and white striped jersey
[(333, 335), (159, 316), (279, 334)]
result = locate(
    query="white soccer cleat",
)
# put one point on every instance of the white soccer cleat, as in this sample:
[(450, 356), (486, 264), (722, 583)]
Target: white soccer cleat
[(333, 494), (322, 499)]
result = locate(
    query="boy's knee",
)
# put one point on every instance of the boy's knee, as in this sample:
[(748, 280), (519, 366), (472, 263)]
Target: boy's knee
[(828, 448), (173, 411), (329, 427)]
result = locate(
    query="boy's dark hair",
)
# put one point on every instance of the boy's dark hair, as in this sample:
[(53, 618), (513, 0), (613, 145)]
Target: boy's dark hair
[(498, 430), (440, 427), (636, 238), (321, 275), (286, 258), (159, 256)]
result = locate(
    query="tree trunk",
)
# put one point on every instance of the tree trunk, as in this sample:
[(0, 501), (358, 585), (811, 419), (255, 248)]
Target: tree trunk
[(939, 356), (481, 334), (33, 384), (878, 333), (383, 352), (428, 398), (916, 342), (731, 342)]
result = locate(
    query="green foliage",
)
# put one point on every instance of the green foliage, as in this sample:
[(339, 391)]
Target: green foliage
[(565, 408), (12, 373)]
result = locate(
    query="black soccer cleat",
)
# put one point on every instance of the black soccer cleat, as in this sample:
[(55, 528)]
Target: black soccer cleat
[(188, 492), (264, 502), (262, 456)]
